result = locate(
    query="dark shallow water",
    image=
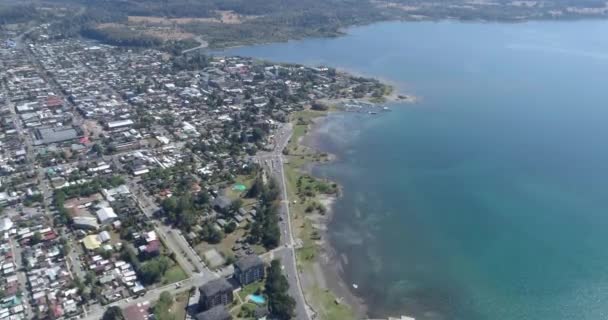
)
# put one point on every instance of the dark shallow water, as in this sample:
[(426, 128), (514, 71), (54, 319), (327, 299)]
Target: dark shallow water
[(489, 198)]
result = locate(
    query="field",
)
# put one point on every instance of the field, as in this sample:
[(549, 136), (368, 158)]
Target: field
[(174, 274), (327, 306), (223, 16)]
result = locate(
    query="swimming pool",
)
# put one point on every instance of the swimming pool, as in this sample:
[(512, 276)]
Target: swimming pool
[(258, 299)]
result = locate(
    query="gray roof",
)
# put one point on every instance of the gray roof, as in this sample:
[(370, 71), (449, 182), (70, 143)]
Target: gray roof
[(213, 287), (215, 313), (57, 134), (222, 202), (248, 262)]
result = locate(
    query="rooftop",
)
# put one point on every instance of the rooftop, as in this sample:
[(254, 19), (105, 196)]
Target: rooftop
[(215, 313), (248, 262), (56, 134), (213, 287)]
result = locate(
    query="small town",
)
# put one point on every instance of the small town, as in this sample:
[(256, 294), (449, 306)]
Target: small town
[(140, 185)]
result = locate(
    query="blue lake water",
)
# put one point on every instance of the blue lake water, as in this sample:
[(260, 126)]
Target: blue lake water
[(488, 199)]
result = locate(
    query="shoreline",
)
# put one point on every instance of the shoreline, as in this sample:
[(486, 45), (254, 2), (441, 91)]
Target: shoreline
[(320, 264), (344, 31), (326, 271), (329, 259)]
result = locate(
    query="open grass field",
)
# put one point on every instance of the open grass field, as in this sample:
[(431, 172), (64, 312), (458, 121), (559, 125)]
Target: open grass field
[(174, 274)]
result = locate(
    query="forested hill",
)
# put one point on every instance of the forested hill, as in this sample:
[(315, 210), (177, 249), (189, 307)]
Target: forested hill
[(235, 22)]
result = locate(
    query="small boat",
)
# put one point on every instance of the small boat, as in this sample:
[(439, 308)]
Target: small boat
[(355, 286), (373, 112)]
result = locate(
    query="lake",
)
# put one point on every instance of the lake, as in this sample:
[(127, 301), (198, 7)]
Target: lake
[(487, 199)]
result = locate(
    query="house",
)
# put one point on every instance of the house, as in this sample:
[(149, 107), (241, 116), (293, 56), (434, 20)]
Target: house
[(119, 124), (221, 203), (215, 293), (249, 269), (215, 313), (84, 222), (104, 236), (150, 250), (6, 224), (106, 215), (91, 242)]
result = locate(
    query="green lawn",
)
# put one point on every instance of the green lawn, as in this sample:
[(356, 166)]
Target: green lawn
[(225, 246), (308, 252), (179, 306), (239, 312), (174, 274), (250, 289), (246, 180), (326, 305)]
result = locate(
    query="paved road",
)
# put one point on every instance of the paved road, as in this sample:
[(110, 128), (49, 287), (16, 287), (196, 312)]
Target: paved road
[(17, 256), (192, 264), (185, 254), (152, 295), (76, 266), (273, 161), (203, 44)]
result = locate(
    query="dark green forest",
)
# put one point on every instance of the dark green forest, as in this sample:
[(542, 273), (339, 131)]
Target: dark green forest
[(269, 20)]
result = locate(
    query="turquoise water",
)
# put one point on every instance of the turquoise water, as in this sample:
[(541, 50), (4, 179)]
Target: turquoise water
[(257, 299), (489, 198)]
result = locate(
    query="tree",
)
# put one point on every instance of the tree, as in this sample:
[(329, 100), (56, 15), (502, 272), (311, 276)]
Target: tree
[(162, 308), (318, 106), (257, 134), (36, 238), (89, 278), (202, 198), (236, 205), (153, 270), (97, 149), (166, 298), (230, 227), (256, 188), (113, 313), (281, 305)]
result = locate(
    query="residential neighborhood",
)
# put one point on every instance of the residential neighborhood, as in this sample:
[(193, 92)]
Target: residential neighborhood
[(131, 179)]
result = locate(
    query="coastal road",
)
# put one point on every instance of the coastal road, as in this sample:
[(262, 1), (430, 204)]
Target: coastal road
[(273, 162), (203, 44)]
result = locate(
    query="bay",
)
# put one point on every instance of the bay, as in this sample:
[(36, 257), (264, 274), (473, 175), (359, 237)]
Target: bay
[(487, 199)]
